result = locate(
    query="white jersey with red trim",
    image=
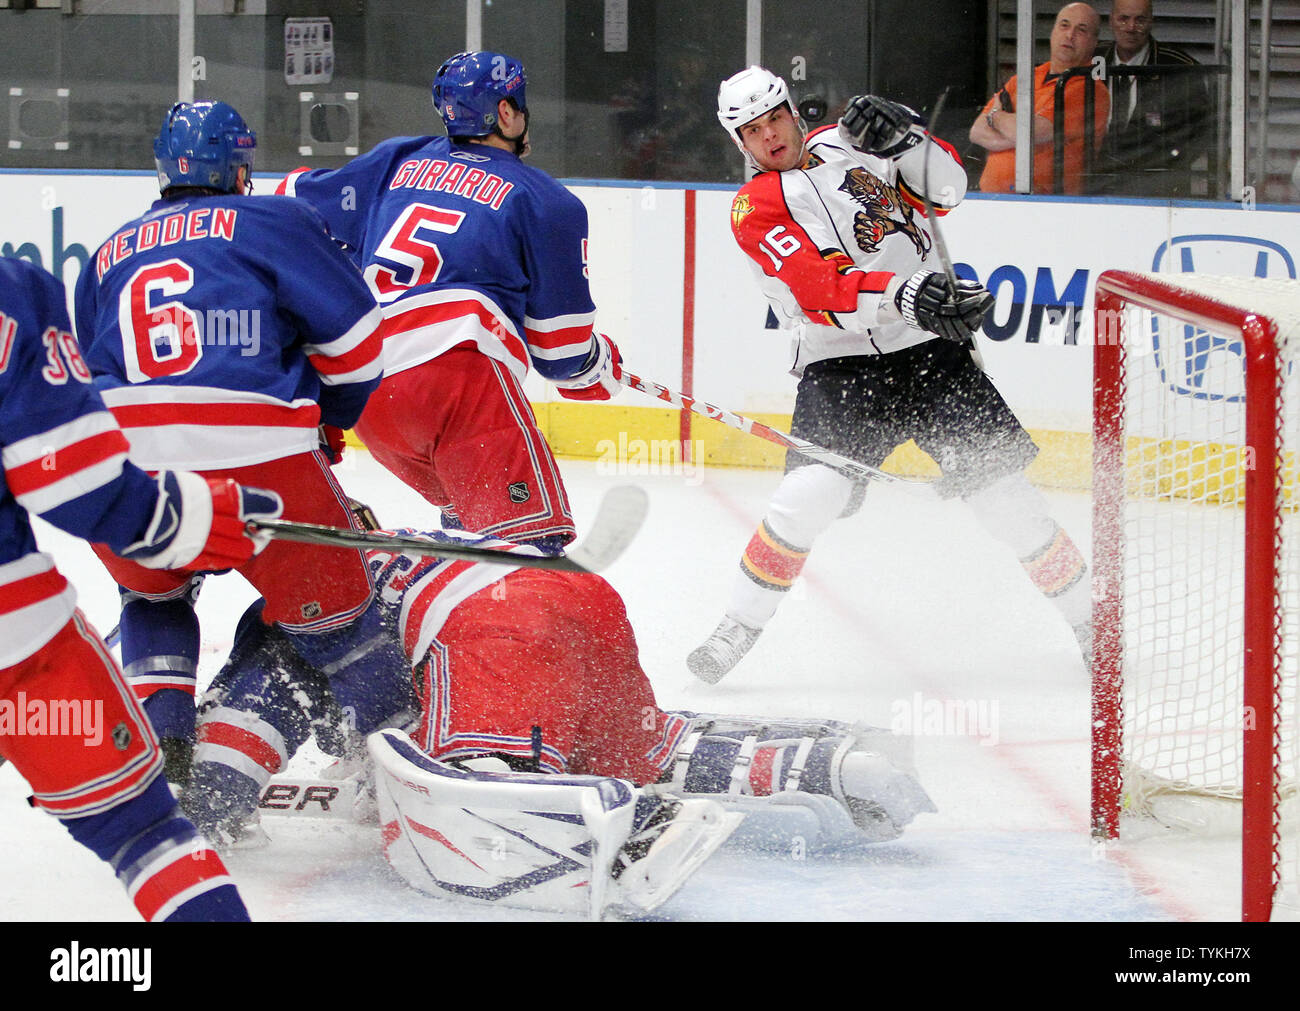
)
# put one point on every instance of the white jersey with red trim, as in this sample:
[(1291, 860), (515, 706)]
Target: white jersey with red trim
[(62, 456), (463, 243), (223, 330), (826, 239)]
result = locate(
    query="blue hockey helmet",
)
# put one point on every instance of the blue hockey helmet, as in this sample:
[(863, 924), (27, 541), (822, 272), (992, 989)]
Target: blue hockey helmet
[(468, 87), (203, 144)]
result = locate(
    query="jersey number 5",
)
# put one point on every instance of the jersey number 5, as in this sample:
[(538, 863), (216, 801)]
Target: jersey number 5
[(163, 339), (418, 256)]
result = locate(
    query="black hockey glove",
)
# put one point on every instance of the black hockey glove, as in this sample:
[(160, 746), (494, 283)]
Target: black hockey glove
[(881, 127), (927, 304)]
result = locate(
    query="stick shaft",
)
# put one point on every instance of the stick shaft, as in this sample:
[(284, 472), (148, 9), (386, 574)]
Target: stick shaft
[(620, 515), (941, 247), (311, 533), (849, 466)]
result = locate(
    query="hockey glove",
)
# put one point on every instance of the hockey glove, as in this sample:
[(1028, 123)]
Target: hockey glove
[(332, 441), (881, 127), (200, 523), (599, 378), (927, 304)]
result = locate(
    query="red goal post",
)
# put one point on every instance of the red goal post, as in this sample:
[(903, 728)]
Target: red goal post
[(1194, 598)]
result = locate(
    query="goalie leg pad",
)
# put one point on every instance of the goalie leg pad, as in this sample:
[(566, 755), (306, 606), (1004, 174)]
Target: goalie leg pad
[(744, 761), (576, 844)]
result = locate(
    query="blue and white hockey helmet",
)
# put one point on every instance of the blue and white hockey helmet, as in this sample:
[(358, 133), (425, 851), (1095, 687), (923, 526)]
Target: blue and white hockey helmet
[(468, 87), (203, 144)]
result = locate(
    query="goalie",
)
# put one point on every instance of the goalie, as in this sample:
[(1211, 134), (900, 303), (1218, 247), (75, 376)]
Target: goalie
[(540, 770)]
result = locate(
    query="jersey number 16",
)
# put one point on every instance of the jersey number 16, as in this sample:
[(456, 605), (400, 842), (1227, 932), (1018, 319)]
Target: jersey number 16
[(777, 245)]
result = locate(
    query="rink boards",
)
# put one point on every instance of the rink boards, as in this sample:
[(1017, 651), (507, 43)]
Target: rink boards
[(681, 301)]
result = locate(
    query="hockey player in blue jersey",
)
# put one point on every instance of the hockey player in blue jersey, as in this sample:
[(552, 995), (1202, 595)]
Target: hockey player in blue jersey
[(480, 263), (222, 332), (68, 721)]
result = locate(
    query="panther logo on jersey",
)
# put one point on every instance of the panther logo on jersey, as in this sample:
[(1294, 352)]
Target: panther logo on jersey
[(875, 224)]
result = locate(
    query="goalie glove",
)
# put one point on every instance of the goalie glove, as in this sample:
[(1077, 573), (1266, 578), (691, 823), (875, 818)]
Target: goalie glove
[(880, 127), (599, 378), (201, 523), (927, 304)]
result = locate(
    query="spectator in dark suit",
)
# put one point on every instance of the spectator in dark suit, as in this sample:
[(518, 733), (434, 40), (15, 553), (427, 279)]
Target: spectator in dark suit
[(1158, 124)]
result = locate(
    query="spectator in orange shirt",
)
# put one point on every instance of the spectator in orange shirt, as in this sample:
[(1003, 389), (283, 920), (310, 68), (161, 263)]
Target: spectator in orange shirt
[(1073, 42)]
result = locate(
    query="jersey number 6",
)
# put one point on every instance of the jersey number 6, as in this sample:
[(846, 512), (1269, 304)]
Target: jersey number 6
[(418, 255), (163, 339)]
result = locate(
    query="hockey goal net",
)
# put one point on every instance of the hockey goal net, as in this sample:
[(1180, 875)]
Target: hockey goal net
[(1196, 425)]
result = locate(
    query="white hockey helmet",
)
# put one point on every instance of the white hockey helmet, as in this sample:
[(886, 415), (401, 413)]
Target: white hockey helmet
[(746, 96)]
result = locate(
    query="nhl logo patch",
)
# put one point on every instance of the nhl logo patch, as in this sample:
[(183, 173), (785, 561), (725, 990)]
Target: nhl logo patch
[(121, 737), (312, 610), (519, 492)]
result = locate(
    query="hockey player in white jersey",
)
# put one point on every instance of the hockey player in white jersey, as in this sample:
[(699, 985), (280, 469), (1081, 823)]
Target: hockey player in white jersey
[(832, 221)]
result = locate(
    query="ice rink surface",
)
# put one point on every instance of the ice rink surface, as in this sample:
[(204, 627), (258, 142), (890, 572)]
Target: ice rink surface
[(907, 616)]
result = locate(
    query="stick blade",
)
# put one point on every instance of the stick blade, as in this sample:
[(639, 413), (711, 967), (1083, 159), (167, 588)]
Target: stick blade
[(618, 519)]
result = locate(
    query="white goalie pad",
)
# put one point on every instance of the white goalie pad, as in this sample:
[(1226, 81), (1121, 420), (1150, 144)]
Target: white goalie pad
[(842, 782), (535, 841)]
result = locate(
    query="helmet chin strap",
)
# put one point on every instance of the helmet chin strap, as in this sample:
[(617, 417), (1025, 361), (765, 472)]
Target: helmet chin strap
[(519, 144)]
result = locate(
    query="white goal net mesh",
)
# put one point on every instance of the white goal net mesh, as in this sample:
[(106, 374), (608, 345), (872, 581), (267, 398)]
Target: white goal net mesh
[(1186, 457)]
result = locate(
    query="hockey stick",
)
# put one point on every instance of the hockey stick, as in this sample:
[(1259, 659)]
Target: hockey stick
[(941, 247), (618, 519), (852, 468)]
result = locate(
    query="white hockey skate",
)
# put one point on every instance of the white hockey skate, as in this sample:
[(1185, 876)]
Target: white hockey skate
[(723, 649)]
